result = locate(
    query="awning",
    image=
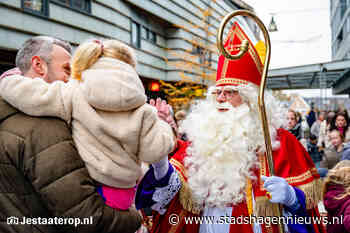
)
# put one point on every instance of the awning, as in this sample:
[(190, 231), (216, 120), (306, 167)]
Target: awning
[(314, 76)]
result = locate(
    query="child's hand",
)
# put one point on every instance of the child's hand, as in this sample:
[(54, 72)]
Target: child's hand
[(14, 71), (163, 110)]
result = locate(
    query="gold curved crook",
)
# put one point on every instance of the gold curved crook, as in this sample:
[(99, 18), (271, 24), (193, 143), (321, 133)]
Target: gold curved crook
[(261, 103), (264, 74), (244, 45)]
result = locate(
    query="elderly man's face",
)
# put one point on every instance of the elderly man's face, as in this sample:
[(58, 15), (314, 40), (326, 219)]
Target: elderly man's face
[(228, 95)]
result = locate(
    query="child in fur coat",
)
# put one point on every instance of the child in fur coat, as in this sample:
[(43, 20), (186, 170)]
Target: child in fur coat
[(113, 127), (337, 197)]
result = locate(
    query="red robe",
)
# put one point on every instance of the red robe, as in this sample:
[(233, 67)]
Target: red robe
[(291, 162)]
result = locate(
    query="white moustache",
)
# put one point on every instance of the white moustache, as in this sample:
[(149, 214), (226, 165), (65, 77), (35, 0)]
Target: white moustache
[(224, 105)]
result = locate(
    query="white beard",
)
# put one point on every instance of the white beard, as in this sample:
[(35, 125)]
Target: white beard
[(222, 154)]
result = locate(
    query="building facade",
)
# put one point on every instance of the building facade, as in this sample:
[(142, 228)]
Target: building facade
[(340, 28), (175, 40)]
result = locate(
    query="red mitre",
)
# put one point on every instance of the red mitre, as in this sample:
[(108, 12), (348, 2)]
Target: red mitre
[(247, 69)]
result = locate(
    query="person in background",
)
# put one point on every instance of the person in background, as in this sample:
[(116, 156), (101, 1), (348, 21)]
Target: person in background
[(293, 124), (323, 136), (311, 117), (315, 128), (336, 196), (333, 154), (313, 151), (340, 122)]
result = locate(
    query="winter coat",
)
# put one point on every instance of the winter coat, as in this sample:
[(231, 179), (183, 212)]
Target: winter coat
[(323, 137), (297, 131), (346, 152), (315, 128), (113, 127), (330, 157), (42, 175), (315, 155), (337, 208), (311, 118)]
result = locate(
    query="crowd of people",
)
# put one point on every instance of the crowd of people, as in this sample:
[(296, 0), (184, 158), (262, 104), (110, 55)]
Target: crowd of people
[(328, 144), (328, 136), (78, 139)]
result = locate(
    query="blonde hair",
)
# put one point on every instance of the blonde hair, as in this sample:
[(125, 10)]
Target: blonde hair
[(89, 52), (340, 174)]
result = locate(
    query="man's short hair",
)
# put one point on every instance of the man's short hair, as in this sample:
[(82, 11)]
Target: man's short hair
[(38, 46)]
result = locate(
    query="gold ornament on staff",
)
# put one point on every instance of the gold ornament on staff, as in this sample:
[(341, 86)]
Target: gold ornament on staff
[(242, 50)]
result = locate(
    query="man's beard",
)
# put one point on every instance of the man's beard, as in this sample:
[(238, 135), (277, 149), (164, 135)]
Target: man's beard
[(222, 154)]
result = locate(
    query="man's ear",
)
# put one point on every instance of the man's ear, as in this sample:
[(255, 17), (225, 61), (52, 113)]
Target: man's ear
[(39, 66)]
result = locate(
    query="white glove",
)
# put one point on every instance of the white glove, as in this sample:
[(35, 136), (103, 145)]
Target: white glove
[(280, 190), (161, 168)]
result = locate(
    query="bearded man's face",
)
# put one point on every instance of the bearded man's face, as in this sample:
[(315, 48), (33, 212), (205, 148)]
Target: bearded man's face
[(226, 98)]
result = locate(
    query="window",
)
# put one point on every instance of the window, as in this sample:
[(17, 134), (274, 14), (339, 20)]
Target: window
[(145, 33), (204, 55), (139, 31), (135, 35), (153, 37), (148, 35), (81, 5), (36, 6)]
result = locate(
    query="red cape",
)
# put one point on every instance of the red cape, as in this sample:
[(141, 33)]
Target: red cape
[(291, 161)]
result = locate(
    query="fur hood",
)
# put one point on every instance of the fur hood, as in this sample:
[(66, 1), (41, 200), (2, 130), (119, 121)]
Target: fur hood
[(112, 85)]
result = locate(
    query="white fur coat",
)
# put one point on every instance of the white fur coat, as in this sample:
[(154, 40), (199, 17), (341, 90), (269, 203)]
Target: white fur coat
[(113, 126)]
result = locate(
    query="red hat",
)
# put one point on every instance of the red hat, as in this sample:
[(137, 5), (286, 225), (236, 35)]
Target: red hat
[(247, 69)]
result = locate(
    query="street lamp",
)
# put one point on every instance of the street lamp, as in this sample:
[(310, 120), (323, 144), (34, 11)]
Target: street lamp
[(272, 26)]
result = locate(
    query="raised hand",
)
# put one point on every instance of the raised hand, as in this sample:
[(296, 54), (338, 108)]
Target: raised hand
[(163, 110)]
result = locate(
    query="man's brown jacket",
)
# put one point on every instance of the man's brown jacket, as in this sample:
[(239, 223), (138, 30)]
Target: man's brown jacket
[(43, 177)]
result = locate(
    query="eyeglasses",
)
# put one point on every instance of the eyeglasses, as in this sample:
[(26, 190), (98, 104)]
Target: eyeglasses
[(225, 93)]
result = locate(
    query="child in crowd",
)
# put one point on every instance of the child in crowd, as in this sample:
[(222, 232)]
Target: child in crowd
[(313, 151), (333, 154), (337, 197), (113, 127)]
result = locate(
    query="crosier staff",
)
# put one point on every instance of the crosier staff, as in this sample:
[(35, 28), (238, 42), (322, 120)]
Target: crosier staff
[(242, 50)]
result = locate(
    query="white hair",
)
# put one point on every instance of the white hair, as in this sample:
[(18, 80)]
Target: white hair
[(275, 112), (222, 154)]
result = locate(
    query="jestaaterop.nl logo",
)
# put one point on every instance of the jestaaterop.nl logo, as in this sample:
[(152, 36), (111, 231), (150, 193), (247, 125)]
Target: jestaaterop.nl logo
[(13, 220)]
